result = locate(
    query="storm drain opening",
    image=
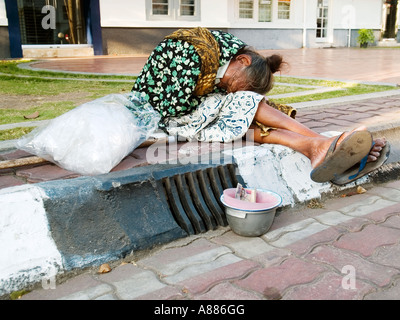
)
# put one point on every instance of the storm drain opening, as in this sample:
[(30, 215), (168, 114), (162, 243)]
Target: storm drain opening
[(194, 197)]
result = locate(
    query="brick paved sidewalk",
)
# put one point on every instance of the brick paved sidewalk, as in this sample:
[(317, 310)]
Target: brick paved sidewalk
[(307, 254), (373, 113)]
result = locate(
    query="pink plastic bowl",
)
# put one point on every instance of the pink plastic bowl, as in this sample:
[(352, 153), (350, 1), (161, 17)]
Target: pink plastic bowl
[(265, 200)]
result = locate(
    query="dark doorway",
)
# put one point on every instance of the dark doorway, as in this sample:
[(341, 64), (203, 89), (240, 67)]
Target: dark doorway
[(52, 22), (391, 17)]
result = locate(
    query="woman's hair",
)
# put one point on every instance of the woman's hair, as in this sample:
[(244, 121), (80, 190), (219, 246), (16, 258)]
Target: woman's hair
[(260, 72)]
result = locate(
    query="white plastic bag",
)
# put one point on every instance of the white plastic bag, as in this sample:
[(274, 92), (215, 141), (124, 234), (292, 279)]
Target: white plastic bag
[(94, 137)]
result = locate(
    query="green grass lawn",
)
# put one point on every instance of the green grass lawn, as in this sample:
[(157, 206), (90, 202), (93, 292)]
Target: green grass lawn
[(24, 92), (344, 89)]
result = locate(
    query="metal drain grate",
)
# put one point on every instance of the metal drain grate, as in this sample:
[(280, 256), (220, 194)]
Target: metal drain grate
[(194, 197)]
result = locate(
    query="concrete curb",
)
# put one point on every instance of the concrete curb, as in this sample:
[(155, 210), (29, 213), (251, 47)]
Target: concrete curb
[(53, 227)]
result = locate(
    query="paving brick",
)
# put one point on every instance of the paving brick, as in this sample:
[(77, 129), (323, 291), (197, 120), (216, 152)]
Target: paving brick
[(364, 269), (119, 273), (336, 111), (128, 163), (392, 184), (244, 247), (328, 287), (131, 282), (392, 222), (332, 218), (369, 239), (355, 117), (347, 106), (17, 154), (204, 281), (312, 124), (226, 291), (390, 293), (339, 123), (165, 293), (194, 267), (276, 234), (344, 204), (320, 116), (291, 272), (369, 205), (81, 283), (291, 238), (93, 293), (45, 173), (367, 107), (291, 217), (172, 260), (387, 256), (353, 225), (306, 244), (392, 194), (254, 248), (139, 153), (10, 181), (328, 127), (383, 214)]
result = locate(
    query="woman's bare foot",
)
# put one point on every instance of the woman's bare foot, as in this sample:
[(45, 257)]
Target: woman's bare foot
[(376, 149)]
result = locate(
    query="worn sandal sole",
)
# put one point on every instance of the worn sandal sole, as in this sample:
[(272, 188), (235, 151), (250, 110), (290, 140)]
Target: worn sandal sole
[(357, 171), (340, 158)]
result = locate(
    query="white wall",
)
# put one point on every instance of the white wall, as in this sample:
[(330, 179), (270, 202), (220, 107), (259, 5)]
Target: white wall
[(222, 13), (122, 13), (128, 13), (296, 17), (3, 14), (357, 14)]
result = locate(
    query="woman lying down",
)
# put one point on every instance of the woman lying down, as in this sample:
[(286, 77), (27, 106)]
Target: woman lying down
[(204, 86)]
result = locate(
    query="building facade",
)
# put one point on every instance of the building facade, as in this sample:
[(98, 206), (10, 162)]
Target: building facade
[(49, 28)]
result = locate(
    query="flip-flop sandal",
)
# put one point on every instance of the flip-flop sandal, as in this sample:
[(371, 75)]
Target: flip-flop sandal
[(363, 168), (340, 158)]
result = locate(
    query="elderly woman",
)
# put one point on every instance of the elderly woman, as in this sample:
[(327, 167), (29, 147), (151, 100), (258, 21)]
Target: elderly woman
[(209, 86)]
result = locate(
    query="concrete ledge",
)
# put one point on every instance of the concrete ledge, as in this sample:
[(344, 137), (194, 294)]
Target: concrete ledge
[(54, 227)]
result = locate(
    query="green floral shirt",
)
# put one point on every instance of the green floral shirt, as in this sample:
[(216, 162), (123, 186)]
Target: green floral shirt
[(169, 77)]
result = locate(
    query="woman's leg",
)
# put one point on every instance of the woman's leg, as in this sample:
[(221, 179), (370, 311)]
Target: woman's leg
[(314, 148), (274, 118), (295, 135)]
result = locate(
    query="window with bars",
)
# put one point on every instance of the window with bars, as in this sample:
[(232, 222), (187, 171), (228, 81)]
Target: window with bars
[(265, 10), (187, 8), (69, 26), (322, 19), (284, 9), (256, 10), (160, 7), (246, 9), (173, 9)]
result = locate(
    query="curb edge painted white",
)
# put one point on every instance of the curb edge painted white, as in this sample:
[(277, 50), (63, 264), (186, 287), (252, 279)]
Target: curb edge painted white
[(282, 170), (28, 251)]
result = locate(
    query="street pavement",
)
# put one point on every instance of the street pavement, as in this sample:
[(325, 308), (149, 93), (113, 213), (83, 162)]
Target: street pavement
[(343, 247)]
